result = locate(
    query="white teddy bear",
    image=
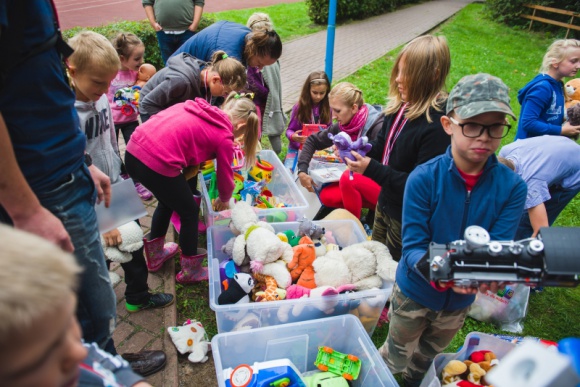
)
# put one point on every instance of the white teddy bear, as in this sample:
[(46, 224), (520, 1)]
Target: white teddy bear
[(191, 337), (259, 242), (365, 265)]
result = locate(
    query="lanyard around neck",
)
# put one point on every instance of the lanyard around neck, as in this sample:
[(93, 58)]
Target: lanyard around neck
[(396, 129)]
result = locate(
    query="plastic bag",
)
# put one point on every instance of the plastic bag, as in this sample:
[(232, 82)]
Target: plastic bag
[(507, 308), (474, 341)]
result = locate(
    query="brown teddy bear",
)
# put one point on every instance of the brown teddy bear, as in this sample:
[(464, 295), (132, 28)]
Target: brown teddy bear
[(572, 92), (573, 113)]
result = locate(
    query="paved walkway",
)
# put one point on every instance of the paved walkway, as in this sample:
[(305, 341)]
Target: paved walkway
[(356, 45)]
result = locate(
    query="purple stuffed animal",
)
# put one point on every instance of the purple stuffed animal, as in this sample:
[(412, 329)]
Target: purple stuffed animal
[(344, 145)]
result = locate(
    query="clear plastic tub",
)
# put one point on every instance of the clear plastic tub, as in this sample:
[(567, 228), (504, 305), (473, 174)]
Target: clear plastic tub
[(299, 343), (366, 305), (282, 186)]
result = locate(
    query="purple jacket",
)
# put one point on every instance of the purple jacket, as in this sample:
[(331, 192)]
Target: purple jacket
[(296, 125)]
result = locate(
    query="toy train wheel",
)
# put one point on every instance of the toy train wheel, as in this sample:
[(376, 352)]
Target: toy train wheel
[(323, 367), (352, 358), (347, 376), (328, 349)]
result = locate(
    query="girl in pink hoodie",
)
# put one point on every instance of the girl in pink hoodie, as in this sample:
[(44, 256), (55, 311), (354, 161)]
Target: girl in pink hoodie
[(168, 144)]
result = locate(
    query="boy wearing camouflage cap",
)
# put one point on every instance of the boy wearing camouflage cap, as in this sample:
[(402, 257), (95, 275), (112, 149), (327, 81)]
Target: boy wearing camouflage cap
[(463, 187)]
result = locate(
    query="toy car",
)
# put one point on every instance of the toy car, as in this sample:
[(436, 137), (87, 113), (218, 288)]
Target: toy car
[(347, 366), (325, 379)]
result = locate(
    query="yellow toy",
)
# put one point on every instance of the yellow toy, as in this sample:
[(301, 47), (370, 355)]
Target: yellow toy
[(261, 171)]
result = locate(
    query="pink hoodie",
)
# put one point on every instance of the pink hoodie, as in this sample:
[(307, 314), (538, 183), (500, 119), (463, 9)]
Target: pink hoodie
[(184, 135)]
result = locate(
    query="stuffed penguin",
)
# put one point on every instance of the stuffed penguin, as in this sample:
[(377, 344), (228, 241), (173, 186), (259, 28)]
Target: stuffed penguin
[(238, 289)]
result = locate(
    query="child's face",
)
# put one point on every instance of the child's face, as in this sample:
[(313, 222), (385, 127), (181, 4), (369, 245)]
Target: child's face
[(91, 84), (470, 154), (570, 65), (317, 93), (46, 354), (134, 60), (216, 86), (400, 79), (341, 111)]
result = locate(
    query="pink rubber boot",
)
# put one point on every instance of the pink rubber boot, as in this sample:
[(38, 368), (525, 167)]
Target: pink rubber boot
[(176, 220), (191, 269), (157, 252)]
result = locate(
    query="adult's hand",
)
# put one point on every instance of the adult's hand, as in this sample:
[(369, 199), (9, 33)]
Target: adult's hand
[(43, 223), (306, 181), (103, 185), (359, 165)]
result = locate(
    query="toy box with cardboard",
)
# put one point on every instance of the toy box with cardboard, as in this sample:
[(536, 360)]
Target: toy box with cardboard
[(280, 185)]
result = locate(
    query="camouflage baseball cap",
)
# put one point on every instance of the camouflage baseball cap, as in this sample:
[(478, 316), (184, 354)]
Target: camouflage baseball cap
[(477, 94)]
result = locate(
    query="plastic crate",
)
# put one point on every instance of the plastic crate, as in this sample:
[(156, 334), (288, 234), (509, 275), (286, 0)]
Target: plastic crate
[(299, 343), (282, 185), (366, 304)]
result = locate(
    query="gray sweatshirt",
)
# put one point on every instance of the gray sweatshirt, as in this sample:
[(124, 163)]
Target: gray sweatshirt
[(96, 122), (176, 83)]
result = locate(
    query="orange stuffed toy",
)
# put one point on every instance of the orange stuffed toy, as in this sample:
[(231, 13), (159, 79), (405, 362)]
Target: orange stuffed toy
[(300, 266)]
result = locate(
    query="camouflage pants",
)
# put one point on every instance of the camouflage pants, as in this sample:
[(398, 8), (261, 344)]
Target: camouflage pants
[(416, 335), (388, 231)]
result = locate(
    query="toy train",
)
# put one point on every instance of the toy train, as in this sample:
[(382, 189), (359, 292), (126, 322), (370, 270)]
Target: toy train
[(551, 259)]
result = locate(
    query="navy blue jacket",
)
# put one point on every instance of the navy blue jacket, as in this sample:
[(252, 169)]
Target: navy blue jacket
[(542, 101), (438, 208), (222, 35)]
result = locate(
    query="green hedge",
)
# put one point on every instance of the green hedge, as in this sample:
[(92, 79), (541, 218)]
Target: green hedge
[(509, 11), (352, 10), (140, 28)]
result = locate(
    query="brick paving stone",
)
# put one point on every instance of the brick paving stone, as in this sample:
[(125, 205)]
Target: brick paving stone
[(150, 320), (122, 331), (136, 342)]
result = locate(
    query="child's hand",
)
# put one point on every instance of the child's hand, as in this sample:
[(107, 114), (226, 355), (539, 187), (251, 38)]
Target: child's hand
[(306, 181), (113, 238), (297, 137), (218, 205), (358, 166), (569, 130)]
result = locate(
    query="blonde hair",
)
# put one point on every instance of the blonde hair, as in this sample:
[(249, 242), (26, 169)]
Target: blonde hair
[(427, 62), (35, 276), (231, 71), (92, 51), (557, 53), (125, 43), (260, 21), (347, 93), (243, 110)]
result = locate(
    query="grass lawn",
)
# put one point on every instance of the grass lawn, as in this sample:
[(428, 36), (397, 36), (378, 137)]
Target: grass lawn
[(477, 45)]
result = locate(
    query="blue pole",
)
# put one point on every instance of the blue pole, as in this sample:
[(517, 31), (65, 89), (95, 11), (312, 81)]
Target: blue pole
[(330, 39)]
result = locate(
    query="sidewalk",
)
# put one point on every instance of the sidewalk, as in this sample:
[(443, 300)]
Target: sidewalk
[(356, 45)]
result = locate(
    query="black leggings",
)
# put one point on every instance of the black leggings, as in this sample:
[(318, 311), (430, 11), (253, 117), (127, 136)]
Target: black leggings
[(173, 194)]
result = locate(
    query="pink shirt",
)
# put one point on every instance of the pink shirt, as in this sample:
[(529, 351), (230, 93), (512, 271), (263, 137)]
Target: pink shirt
[(124, 78), (187, 134)]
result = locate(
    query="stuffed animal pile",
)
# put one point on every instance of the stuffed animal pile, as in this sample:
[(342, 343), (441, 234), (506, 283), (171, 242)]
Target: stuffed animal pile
[(469, 373), (289, 266)]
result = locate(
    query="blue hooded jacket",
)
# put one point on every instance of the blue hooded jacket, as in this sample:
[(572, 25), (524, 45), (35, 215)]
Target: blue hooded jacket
[(542, 101), (437, 208), (222, 35)]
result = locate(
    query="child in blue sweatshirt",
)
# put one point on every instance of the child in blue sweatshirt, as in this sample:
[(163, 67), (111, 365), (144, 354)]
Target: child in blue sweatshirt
[(542, 99)]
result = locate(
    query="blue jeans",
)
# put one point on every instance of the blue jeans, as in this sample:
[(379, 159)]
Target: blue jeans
[(73, 203), (169, 43), (559, 199)]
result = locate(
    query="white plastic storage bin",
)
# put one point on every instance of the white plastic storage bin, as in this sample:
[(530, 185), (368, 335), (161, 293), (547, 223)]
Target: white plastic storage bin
[(282, 185), (299, 343), (366, 305)]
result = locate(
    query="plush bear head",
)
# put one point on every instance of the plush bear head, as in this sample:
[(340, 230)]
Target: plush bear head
[(238, 290), (572, 92)]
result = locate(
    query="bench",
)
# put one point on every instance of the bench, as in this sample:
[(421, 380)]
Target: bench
[(568, 25)]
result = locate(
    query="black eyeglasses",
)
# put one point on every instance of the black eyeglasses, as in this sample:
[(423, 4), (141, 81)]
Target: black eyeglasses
[(474, 130)]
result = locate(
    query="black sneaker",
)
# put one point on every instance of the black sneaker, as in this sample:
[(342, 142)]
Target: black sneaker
[(157, 300)]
